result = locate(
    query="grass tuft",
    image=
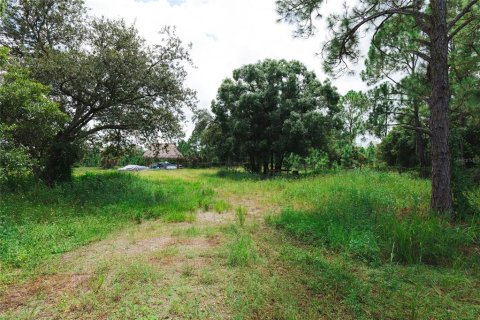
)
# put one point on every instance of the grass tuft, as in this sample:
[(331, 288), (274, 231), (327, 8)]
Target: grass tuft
[(242, 252), (241, 213), (221, 206)]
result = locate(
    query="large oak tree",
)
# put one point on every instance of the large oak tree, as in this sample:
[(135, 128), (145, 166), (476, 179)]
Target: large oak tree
[(102, 73)]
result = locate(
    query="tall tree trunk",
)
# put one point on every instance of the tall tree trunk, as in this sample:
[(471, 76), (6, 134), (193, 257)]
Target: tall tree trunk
[(462, 142), (253, 165), (278, 162), (266, 163), (272, 163), (438, 103), (419, 140)]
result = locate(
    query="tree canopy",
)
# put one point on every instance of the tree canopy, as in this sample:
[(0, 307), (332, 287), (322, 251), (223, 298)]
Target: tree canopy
[(102, 74), (270, 109)]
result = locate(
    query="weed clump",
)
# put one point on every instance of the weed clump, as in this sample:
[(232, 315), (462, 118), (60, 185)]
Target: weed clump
[(241, 213), (242, 252), (221, 206)]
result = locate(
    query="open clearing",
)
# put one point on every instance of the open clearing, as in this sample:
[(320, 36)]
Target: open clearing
[(240, 252)]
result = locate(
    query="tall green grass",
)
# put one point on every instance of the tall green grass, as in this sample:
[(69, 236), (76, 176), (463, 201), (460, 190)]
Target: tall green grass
[(37, 224), (242, 251), (374, 217)]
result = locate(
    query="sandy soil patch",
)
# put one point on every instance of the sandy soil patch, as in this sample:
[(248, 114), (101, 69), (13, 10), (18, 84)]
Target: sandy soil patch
[(48, 288)]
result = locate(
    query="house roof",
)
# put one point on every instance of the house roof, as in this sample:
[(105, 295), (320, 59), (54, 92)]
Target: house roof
[(165, 151)]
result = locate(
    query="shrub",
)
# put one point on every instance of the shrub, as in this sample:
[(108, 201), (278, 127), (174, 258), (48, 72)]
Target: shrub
[(15, 163)]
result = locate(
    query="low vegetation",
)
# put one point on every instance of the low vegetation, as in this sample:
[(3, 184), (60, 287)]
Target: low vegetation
[(305, 221), (43, 222), (348, 244), (375, 217)]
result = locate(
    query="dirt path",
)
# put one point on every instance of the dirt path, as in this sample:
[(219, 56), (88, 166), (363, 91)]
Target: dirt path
[(212, 268), (175, 270)]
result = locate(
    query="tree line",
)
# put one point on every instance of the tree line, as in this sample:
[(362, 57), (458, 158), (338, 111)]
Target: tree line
[(428, 34), (71, 81), (423, 71)]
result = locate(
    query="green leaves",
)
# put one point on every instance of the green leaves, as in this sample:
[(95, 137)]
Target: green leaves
[(354, 114), (101, 73), (273, 108), (33, 28), (28, 119)]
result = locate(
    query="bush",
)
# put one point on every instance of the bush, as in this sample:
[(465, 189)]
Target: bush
[(15, 163), (473, 198)]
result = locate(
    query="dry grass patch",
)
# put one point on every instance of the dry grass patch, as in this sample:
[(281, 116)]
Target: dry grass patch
[(43, 289)]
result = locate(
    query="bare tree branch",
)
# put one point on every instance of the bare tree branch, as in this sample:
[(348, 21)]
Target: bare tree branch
[(102, 128)]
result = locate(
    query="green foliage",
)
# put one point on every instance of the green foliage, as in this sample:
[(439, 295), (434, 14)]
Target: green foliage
[(133, 155), (58, 24), (375, 217), (343, 154), (59, 162), (221, 206), (199, 149), (347, 159), (473, 198), (293, 162), (29, 120), (269, 110), (115, 155), (242, 252), (353, 115), (90, 159), (317, 161), (15, 162), (94, 153), (42, 222), (102, 73), (398, 149), (407, 37)]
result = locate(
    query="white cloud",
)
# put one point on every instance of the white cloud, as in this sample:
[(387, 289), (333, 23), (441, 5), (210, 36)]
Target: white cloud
[(225, 34)]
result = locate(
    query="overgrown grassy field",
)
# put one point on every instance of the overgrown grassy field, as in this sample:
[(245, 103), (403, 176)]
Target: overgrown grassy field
[(42, 223), (209, 244)]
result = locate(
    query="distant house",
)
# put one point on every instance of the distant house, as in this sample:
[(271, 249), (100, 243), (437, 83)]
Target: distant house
[(163, 152)]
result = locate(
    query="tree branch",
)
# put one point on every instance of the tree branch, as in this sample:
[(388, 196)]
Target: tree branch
[(389, 13), (460, 27), (465, 10), (422, 55), (419, 129), (101, 128)]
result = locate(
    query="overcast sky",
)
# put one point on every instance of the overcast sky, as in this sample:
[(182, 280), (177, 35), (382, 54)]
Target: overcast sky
[(225, 35)]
